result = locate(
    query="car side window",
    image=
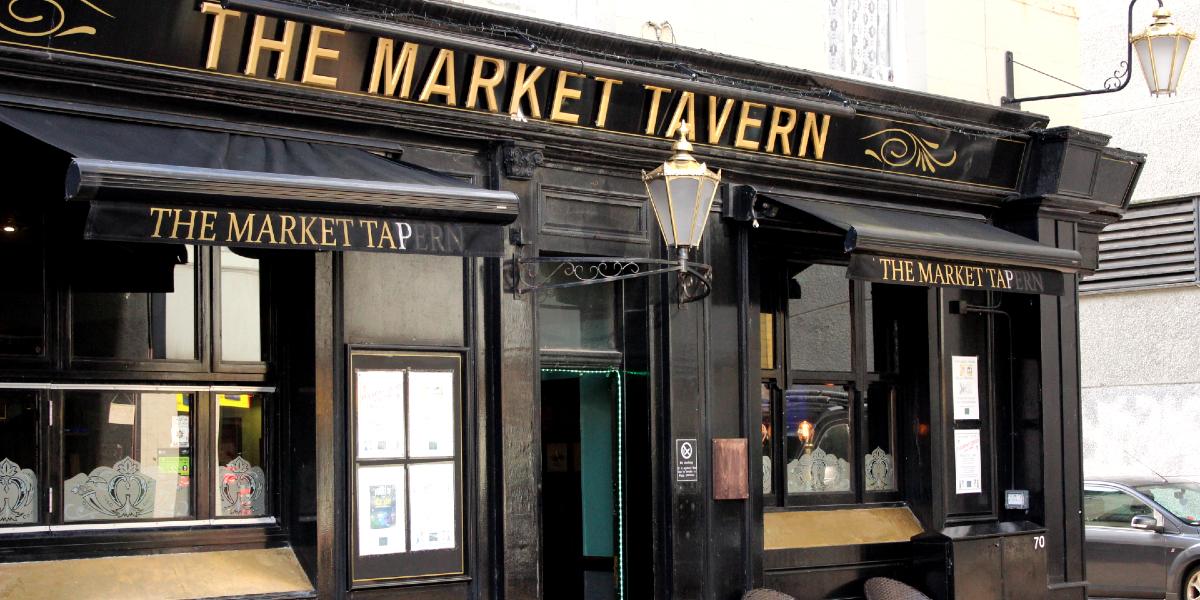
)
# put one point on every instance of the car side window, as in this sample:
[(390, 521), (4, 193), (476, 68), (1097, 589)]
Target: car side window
[(1112, 508)]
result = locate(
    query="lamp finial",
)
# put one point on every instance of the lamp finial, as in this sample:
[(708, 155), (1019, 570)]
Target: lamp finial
[(682, 146)]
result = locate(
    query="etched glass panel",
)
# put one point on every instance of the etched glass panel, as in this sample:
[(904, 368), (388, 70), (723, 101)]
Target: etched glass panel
[(819, 319), (765, 401), (241, 480), (18, 457), (241, 308), (817, 419), (130, 453), (139, 320), (879, 404)]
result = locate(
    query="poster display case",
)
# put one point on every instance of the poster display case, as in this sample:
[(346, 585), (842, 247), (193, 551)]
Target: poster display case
[(406, 467)]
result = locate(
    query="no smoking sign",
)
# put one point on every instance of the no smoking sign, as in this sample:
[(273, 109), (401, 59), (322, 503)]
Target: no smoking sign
[(685, 460)]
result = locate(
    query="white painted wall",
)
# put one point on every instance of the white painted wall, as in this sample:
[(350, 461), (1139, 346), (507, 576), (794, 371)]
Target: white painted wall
[(947, 47), (1140, 350), (1140, 366)]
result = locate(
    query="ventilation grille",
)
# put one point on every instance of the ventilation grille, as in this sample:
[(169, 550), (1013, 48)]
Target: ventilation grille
[(1152, 245)]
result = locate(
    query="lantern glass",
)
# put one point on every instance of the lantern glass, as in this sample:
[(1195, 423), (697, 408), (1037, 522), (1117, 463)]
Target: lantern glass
[(656, 188), (684, 205), (1162, 51), (704, 198)]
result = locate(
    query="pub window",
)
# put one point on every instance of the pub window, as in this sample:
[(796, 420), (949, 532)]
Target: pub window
[(126, 456), (241, 453), (79, 454), (239, 286), (129, 456), (20, 457), (135, 304), (576, 318), (828, 413), (22, 287)]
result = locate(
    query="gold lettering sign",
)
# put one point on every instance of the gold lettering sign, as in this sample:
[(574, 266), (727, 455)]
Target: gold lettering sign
[(263, 228), (915, 271), (380, 73), (412, 72)]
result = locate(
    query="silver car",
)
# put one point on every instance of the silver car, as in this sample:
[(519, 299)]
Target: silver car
[(1143, 538)]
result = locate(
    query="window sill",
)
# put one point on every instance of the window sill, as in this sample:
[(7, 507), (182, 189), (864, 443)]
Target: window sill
[(42, 543), (150, 525), (243, 573), (845, 526)]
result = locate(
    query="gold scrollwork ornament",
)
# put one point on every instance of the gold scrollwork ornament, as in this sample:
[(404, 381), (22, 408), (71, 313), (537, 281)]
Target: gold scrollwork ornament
[(46, 19), (902, 148)]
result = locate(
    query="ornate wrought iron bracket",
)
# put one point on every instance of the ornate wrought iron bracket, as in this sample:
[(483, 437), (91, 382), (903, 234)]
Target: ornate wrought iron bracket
[(552, 272)]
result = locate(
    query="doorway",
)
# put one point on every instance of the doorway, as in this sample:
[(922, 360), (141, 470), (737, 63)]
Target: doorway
[(582, 496)]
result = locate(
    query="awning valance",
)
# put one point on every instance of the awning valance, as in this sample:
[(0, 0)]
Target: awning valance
[(900, 246), (143, 178)]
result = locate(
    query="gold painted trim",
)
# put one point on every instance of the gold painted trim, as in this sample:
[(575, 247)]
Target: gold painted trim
[(55, 31), (903, 148), (383, 99)]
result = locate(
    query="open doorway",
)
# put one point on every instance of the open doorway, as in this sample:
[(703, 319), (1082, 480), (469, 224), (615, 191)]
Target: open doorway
[(581, 492)]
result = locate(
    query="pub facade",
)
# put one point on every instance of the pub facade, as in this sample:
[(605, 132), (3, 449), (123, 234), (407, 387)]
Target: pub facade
[(382, 292)]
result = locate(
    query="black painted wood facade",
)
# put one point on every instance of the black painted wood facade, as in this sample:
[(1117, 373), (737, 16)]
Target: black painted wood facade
[(580, 194)]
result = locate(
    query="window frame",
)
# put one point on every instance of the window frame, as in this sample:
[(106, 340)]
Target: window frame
[(202, 339), (781, 377), (59, 372), (203, 460)]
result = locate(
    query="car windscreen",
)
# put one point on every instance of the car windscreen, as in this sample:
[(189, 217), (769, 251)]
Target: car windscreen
[(1180, 499)]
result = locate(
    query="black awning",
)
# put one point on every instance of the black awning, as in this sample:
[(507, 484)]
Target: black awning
[(135, 162), (900, 246)]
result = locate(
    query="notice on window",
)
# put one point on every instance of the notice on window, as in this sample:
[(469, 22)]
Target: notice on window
[(431, 414), (179, 431), (381, 510), (966, 387), (120, 413), (968, 464), (380, 398), (433, 506)]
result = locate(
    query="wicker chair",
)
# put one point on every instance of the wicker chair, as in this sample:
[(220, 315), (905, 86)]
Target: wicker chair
[(882, 588), (765, 594)]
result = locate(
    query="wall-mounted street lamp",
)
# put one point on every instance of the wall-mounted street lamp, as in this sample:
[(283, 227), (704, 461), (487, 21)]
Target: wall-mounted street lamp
[(1162, 51), (681, 193)]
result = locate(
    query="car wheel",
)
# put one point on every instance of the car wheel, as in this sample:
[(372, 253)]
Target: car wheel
[(1191, 585)]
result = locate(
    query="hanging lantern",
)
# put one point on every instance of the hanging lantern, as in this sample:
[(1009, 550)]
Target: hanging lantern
[(1162, 49), (681, 193)]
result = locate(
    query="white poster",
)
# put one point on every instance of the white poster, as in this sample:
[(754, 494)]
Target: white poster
[(966, 387), (431, 414), (381, 510), (380, 409), (179, 431), (433, 507), (968, 466)]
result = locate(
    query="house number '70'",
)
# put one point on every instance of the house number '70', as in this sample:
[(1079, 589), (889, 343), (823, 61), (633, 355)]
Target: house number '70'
[(1039, 542)]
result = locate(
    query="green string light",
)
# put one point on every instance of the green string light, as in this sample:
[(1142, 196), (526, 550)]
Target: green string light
[(620, 377)]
